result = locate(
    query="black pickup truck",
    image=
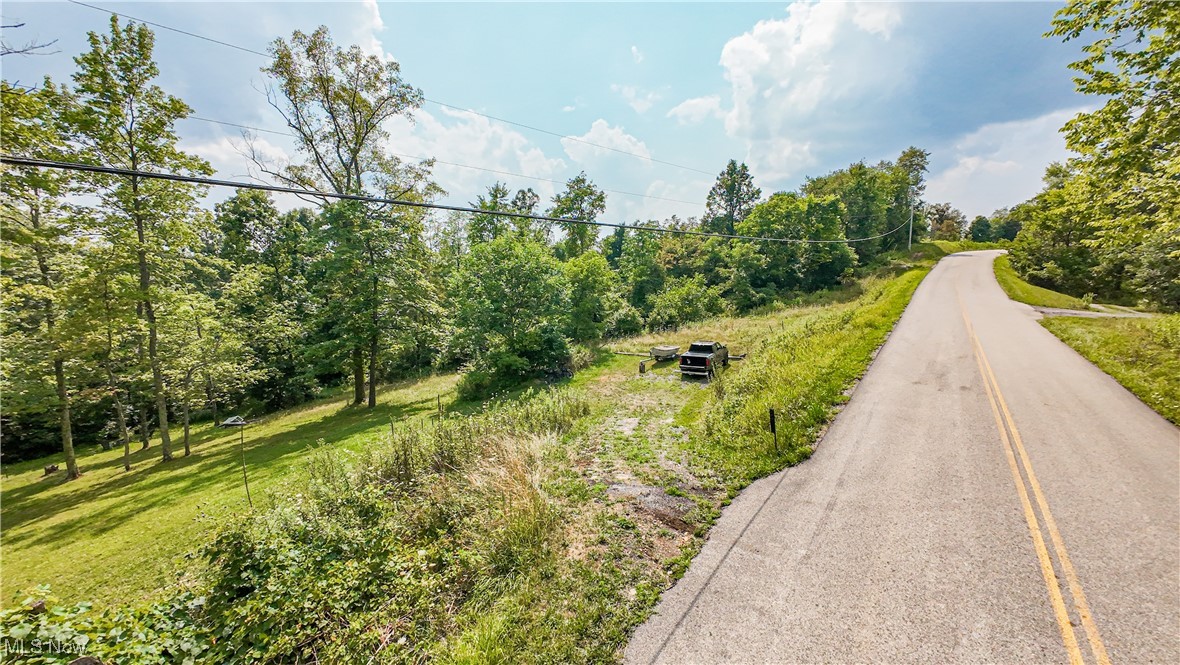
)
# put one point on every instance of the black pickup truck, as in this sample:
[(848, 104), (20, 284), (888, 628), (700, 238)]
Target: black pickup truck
[(703, 358)]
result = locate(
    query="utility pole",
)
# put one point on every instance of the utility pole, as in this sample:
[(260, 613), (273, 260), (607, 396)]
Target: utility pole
[(910, 244)]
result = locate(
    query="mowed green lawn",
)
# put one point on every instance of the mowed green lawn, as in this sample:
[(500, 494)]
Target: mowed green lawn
[(1029, 294), (1141, 354), (112, 536)]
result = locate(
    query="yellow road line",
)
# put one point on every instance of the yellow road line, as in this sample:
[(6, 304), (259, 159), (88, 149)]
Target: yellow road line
[(1034, 529), (1071, 576)]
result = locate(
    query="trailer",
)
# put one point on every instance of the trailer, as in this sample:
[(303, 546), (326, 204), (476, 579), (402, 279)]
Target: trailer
[(665, 352)]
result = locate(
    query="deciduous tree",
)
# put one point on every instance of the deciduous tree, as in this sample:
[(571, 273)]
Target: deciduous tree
[(122, 118)]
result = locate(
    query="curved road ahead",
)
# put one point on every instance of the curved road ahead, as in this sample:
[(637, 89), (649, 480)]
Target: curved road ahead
[(987, 495)]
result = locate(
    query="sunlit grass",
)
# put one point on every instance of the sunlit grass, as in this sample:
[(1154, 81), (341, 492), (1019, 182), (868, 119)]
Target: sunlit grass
[(115, 536), (1021, 291), (1141, 354), (118, 538)]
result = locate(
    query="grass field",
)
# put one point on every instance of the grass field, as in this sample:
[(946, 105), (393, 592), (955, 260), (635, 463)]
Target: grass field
[(117, 537), (1021, 291), (635, 484), (1141, 354)]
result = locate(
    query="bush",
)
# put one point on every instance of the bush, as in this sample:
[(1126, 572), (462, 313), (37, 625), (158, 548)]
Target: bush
[(510, 316), (624, 322), (685, 300), (366, 557), (42, 630)]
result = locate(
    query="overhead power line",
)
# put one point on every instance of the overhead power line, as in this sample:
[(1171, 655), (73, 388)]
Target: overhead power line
[(427, 99), (173, 177), (168, 27), (441, 161)]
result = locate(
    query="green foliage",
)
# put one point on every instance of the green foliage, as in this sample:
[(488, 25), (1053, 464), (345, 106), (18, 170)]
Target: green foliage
[(640, 270), (981, 230), (1021, 291), (877, 200), (581, 200), (799, 266), (731, 199), (483, 227), (593, 296), (685, 300), (1052, 249), (361, 556), (946, 222), (1141, 354), (801, 372), (1106, 222), (42, 630), (624, 321), (1130, 145), (510, 313)]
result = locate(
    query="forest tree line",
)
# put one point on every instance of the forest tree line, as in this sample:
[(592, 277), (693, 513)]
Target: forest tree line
[(132, 310), (1107, 222)]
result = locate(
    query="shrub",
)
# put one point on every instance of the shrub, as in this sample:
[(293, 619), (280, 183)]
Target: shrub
[(365, 557), (685, 300), (624, 322)]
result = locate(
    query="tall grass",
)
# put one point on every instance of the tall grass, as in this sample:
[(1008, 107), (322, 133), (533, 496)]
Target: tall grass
[(802, 372), (369, 555)]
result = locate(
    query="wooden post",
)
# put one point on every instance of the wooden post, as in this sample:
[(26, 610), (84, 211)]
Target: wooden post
[(774, 430)]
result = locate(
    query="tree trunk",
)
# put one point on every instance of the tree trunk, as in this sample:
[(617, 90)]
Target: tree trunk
[(145, 432), (149, 314), (158, 383), (187, 451), (67, 435), (59, 371), (358, 376), (373, 371), (121, 419)]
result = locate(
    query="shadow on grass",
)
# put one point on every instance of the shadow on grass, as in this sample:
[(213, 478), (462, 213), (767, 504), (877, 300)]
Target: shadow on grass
[(153, 485)]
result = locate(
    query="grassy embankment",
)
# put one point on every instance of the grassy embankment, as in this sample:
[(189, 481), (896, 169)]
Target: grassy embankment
[(1021, 291), (557, 541), (1143, 354), (952, 246)]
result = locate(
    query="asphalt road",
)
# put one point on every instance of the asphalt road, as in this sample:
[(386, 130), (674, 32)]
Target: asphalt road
[(987, 495)]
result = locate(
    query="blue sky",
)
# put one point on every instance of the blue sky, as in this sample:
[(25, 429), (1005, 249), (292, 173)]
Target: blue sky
[(793, 89)]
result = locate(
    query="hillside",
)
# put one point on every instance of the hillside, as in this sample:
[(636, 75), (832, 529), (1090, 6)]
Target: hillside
[(637, 479)]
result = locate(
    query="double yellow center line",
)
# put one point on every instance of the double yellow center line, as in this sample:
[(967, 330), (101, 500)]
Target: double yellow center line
[(1010, 436)]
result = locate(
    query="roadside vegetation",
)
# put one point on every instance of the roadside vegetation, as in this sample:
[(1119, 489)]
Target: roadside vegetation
[(1143, 354), (952, 246), (548, 523), (1105, 222), (1021, 291)]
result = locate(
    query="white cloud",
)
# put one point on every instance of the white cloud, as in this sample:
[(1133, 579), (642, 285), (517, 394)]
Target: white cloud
[(796, 77), (693, 111), (664, 200), (636, 54), (607, 140), (640, 100), (367, 29), (462, 137), (227, 156), (876, 18), (1000, 164), (568, 108)]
